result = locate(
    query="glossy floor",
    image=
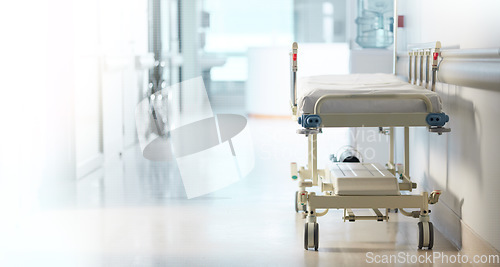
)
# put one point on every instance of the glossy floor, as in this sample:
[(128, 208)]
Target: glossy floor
[(134, 212)]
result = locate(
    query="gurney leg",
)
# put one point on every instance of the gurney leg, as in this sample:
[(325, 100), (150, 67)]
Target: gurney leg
[(311, 230), (311, 236), (425, 227), (299, 205), (301, 195), (312, 158), (312, 169), (425, 233)]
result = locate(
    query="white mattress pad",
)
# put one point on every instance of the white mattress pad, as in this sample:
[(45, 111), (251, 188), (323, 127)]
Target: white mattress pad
[(363, 179), (311, 88)]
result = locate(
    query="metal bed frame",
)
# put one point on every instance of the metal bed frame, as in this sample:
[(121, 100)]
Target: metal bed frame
[(423, 67)]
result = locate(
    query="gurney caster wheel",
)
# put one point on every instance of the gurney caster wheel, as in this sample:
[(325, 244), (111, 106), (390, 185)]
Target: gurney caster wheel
[(425, 235), (311, 236), (297, 206)]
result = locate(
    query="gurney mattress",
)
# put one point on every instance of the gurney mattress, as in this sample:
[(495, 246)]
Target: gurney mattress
[(312, 88), (363, 179)]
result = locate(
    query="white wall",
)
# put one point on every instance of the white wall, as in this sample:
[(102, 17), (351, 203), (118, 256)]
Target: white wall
[(469, 23), (87, 86), (463, 163), (320, 21), (50, 97), (37, 164), (108, 35)]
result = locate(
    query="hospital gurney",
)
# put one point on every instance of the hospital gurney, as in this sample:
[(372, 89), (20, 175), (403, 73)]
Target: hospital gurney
[(366, 100)]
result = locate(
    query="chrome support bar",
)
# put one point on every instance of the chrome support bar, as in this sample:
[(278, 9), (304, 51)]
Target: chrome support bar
[(293, 75)]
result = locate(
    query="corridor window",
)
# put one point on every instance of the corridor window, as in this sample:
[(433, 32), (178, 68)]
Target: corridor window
[(237, 25)]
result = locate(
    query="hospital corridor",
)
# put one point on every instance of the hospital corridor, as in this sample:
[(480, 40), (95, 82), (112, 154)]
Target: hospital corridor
[(249, 133)]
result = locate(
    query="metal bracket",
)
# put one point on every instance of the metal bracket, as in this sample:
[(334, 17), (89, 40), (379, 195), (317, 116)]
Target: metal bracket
[(439, 129), (309, 120), (307, 131), (434, 196), (382, 130), (351, 217)]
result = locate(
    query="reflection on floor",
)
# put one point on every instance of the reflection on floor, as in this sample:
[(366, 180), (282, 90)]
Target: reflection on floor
[(134, 212)]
